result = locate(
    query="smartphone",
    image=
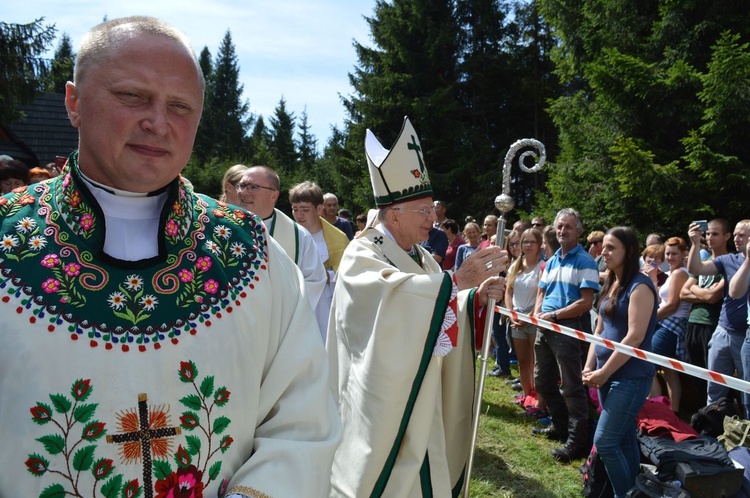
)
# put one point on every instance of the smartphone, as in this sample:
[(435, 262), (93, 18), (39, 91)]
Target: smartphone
[(702, 224)]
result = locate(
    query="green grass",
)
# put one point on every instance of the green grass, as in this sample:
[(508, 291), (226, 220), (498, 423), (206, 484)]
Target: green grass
[(509, 461)]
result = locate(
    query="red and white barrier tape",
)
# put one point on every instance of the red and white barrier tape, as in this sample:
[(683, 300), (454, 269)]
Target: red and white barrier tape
[(680, 366)]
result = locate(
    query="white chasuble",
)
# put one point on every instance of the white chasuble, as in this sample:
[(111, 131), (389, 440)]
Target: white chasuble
[(406, 413)]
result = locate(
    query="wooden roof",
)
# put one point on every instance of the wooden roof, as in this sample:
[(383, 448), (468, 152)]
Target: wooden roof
[(45, 132)]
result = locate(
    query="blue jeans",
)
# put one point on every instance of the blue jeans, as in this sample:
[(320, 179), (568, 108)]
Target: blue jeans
[(745, 355), (724, 355), (502, 350), (615, 438)]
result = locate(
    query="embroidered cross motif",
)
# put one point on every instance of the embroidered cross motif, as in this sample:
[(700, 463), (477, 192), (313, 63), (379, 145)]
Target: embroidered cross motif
[(143, 437), (416, 148), (378, 239)]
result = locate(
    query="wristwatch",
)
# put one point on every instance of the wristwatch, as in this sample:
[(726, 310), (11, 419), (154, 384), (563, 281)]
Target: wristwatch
[(554, 316)]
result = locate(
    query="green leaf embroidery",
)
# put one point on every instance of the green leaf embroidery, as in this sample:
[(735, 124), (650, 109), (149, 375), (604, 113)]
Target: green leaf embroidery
[(61, 403), (214, 471), (53, 443), (84, 458), (220, 424), (207, 386), (112, 487), (193, 444), (162, 469), (83, 413), (192, 401), (54, 491)]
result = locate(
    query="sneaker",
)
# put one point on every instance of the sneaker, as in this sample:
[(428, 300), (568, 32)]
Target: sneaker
[(568, 452), (534, 412), (544, 421), (513, 380), (519, 399), (516, 387), (499, 373), (550, 432)]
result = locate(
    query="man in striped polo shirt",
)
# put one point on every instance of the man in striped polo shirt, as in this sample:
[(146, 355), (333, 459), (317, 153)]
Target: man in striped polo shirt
[(566, 293)]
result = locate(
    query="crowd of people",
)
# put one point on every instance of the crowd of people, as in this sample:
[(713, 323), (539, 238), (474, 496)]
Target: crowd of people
[(224, 347), (15, 173)]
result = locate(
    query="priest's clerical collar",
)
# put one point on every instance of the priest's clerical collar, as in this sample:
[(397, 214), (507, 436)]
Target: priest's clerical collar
[(132, 221), (122, 193)]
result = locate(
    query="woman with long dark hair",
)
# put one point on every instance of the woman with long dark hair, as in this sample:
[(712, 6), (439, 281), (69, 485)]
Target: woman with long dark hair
[(627, 312)]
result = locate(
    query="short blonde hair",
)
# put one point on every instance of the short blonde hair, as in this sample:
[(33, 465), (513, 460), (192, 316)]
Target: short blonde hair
[(596, 234), (100, 41), (233, 176)]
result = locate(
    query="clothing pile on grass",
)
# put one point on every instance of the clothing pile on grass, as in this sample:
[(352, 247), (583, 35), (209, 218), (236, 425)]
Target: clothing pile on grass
[(708, 458)]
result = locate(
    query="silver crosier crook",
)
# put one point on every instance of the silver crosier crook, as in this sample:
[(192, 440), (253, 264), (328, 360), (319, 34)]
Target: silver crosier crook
[(504, 203)]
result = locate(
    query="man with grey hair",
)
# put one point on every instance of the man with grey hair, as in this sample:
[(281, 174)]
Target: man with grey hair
[(330, 210), (401, 341), (565, 296), (164, 344)]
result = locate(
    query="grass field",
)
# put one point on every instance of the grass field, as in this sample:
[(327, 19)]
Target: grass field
[(509, 461)]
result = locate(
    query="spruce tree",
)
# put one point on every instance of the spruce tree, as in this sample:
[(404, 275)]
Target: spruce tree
[(61, 68), (649, 123), (409, 70), (307, 144), (228, 114), (282, 141), (21, 46)]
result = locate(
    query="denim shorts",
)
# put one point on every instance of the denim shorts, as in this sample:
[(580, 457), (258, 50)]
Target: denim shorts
[(525, 331)]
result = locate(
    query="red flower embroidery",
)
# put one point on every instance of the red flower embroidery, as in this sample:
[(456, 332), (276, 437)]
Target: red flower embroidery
[(102, 468), (172, 228), (189, 421), (87, 222), (41, 414), (211, 286), (131, 489), (185, 275), (37, 465), (185, 483), (81, 388), (187, 371), (75, 199), (204, 263), (93, 431), (51, 285)]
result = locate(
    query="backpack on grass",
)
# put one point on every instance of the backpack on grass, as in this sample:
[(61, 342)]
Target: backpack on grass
[(596, 482)]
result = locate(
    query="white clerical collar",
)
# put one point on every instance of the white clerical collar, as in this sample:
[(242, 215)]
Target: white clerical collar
[(131, 220), (126, 205)]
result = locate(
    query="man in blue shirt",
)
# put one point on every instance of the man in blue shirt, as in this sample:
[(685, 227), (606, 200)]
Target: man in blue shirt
[(565, 296), (726, 351)]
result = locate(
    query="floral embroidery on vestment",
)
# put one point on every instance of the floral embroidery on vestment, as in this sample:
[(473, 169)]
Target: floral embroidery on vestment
[(145, 436), (53, 268)]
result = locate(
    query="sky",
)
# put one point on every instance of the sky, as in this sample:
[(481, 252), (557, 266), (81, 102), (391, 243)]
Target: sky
[(297, 49)]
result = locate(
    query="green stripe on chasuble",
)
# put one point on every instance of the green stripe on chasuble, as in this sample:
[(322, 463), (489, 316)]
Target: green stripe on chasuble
[(456, 491), (424, 477), (296, 243), (441, 304)]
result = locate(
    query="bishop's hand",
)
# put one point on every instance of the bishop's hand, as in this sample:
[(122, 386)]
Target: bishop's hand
[(480, 266)]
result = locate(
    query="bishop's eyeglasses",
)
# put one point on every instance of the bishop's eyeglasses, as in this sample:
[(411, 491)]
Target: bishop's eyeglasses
[(252, 187)]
